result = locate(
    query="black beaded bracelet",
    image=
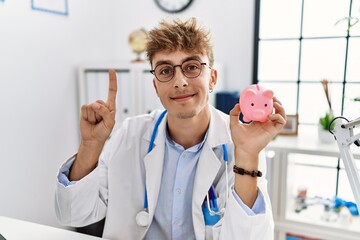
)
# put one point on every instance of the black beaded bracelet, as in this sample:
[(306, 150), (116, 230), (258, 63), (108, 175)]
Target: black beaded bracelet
[(242, 171)]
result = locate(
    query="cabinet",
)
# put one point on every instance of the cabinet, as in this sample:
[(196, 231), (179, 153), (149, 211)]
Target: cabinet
[(302, 161), (136, 94)]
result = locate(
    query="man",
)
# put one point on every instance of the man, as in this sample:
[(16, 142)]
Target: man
[(171, 163)]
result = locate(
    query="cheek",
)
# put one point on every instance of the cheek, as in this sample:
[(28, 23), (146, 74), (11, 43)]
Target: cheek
[(155, 87), (162, 91)]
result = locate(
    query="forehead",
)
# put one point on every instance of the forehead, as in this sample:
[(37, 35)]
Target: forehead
[(176, 57)]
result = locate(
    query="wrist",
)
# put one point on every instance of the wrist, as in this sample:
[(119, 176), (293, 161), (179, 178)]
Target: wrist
[(89, 152), (86, 160), (246, 160)]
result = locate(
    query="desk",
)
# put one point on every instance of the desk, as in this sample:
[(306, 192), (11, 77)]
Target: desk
[(282, 154), (13, 229)]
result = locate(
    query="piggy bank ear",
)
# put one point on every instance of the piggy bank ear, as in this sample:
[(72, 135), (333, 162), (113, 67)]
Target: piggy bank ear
[(249, 93), (268, 94)]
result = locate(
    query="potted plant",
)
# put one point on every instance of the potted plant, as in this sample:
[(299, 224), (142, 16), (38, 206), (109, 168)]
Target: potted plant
[(326, 120)]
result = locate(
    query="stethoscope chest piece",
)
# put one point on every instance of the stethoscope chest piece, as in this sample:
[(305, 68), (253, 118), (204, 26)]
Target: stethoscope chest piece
[(142, 219)]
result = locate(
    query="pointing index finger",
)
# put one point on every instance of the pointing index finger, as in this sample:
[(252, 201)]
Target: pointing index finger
[(112, 90)]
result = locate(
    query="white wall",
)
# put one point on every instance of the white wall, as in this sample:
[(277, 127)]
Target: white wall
[(231, 23), (39, 53)]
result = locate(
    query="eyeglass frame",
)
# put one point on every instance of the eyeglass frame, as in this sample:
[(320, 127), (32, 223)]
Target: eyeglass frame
[(152, 71)]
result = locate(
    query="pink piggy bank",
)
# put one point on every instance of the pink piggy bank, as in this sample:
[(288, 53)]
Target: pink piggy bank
[(256, 103)]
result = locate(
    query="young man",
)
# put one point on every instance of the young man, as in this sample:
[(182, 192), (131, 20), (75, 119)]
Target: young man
[(172, 164)]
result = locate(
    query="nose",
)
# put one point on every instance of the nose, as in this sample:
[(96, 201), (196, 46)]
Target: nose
[(180, 80)]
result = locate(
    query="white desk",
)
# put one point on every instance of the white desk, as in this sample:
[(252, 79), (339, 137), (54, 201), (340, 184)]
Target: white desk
[(13, 229), (281, 187)]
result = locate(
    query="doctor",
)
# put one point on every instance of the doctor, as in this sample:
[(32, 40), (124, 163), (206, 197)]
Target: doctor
[(170, 174)]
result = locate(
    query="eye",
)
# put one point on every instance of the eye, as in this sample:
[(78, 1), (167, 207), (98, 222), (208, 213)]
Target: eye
[(165, 71), (252, 104), (192, 67), (265, 105)]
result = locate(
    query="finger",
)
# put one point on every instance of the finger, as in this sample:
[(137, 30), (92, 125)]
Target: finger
[(277, 118), (112, 90), (91, 113), (84, 112), (235, 114), (106, 115), (279, 109), (95, 106), (277, 100), (102, 103), (88, 114)]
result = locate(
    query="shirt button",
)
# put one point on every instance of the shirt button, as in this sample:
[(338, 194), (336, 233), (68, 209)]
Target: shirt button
[(178, 191)]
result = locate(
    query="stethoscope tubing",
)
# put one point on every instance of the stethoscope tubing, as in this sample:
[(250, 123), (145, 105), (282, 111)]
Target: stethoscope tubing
[(151, 145)]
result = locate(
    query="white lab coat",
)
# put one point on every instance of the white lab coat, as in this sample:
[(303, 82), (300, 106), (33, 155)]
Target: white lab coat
[(115, 189)]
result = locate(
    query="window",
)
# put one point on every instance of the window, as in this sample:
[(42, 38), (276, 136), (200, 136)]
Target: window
[(299, 43)]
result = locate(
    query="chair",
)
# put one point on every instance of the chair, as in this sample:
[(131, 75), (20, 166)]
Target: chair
[(95, 229)]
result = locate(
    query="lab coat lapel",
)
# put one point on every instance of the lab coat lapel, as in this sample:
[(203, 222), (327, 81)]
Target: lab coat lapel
[(153, 163), (207, 169), (208, 166)]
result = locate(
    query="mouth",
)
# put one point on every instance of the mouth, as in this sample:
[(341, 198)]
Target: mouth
[(182, 98)]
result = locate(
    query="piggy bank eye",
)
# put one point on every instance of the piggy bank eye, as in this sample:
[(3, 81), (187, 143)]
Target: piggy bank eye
[(252, 104), (265, 105)]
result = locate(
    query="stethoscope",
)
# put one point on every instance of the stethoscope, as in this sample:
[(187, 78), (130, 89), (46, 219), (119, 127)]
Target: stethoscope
[(211, 212)]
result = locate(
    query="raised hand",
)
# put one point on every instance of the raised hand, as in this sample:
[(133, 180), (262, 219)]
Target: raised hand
[(96, 123), (250, 139), (98, 119)]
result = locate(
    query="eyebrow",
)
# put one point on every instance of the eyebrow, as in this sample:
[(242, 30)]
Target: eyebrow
[(194, 57)]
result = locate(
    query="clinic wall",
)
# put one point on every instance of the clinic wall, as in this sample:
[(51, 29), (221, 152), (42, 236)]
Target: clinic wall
[(39, 54)]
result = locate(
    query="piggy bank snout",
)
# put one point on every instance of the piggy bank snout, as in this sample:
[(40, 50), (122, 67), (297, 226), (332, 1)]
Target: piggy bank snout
[(258, 114)]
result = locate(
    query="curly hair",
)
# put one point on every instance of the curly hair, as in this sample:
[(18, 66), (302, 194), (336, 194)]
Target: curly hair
[(185, 36)]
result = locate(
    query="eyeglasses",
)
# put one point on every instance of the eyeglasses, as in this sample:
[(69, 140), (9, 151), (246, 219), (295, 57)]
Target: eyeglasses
[(190, 68)]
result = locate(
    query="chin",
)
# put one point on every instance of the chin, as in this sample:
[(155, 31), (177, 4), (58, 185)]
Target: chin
[(185, 114)]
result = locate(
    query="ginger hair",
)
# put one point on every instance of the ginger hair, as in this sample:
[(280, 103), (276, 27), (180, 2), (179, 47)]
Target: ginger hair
[(176, 35)]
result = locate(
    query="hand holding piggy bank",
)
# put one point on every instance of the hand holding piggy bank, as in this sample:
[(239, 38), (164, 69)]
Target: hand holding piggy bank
[(256, 103)]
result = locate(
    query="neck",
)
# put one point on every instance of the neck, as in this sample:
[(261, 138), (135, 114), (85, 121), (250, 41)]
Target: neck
[(190, 131)]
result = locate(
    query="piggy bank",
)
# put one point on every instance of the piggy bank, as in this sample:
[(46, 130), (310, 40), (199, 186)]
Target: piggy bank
[(256, 103)]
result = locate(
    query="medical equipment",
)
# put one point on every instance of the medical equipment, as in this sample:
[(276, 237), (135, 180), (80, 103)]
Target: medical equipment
[(211, 213), (344, 136)]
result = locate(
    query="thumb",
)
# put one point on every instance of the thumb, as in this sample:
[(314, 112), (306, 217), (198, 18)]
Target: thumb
[(235, 114)]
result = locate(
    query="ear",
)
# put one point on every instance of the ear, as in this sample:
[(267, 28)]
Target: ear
[(213, 79), (156, 90), (248, 93), (268, 93)]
